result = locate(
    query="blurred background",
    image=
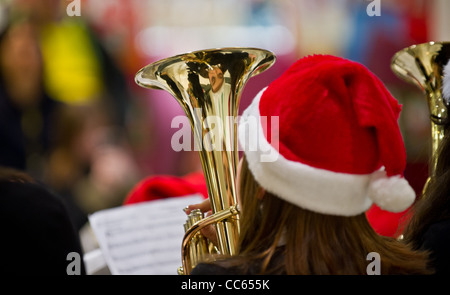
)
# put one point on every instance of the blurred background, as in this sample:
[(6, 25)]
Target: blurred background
[(72, 116)]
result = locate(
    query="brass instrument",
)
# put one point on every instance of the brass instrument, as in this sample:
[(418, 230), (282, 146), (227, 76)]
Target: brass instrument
[(423, 65), (208, 86)]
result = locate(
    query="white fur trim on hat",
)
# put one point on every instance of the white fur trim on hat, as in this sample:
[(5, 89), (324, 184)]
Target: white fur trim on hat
[(311, 188), (446, 83)]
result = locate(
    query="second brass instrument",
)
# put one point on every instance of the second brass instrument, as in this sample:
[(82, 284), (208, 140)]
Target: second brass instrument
[(422, 65)]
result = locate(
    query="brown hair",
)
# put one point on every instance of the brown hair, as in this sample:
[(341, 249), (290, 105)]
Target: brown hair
[(313, 243)]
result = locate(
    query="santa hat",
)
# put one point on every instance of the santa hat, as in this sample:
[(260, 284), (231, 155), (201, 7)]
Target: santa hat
[(327, 139), (167, 186)]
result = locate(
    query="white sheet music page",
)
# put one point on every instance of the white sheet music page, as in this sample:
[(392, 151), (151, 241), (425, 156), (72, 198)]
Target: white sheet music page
[(143, 238)]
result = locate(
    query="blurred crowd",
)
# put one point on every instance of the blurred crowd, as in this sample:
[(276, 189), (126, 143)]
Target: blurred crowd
[(70, 114), (64, 108)]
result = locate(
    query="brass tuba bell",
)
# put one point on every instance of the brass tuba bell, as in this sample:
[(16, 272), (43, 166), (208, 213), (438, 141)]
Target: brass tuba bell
[(423, 66), (208, 86)]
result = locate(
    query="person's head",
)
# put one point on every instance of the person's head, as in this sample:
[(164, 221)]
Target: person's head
[(330, 127), (41, 11), (338, 149), (215, 75), (21, 64)]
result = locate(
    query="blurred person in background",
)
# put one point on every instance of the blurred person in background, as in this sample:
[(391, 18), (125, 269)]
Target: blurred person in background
[(26, 111), (89, 160), (27, 124)]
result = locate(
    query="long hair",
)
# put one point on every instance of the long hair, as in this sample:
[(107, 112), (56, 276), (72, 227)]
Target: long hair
[(280, 238), (434, 205)]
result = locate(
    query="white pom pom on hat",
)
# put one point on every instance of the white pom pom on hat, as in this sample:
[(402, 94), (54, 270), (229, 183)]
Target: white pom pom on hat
[(390, 193), (338, 145)]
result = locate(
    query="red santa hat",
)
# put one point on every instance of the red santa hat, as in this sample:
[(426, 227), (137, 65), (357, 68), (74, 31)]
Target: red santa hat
[(331, 143), (167, 186)]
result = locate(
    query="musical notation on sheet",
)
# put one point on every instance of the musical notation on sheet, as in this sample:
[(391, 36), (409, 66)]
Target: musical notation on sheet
[(143, 238)]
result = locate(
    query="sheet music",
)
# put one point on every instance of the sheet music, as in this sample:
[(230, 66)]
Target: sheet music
[(143, 238)]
